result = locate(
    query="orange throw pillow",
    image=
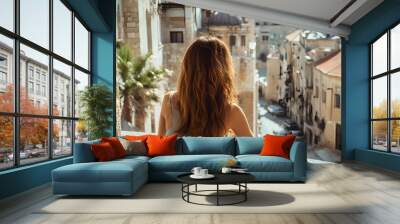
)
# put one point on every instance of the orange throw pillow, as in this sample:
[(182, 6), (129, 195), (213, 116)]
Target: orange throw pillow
[(277, 145), (103, 152), (116, 145), (161, 145), (136, 138)]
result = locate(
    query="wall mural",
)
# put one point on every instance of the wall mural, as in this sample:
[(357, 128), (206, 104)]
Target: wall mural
[(288, 80)]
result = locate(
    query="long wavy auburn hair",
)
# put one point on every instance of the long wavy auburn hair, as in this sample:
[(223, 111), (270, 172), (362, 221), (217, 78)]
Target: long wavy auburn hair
[(205, 88)]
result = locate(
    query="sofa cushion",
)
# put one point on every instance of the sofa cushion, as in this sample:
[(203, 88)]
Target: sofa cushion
[(185, 163), (113, 171), (257, 163), (248, 145), (83, 152), (206, 145)]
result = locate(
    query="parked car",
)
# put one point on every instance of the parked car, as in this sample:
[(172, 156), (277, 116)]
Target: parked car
[(292, 127), (275, 110)]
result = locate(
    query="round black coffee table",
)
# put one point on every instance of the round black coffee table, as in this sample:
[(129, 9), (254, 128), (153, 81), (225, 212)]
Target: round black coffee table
[(238, 179)]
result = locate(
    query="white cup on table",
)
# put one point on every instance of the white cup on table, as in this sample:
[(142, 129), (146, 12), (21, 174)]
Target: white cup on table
[(203, 172), (197, 171)]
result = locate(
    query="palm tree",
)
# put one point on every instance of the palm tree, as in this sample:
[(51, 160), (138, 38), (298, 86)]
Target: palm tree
[(138, 80)]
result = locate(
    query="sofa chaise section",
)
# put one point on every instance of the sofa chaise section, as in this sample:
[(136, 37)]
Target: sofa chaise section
[(87, 177)]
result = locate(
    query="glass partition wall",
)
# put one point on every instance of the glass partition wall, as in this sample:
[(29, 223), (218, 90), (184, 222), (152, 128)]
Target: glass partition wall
[(44, 64)]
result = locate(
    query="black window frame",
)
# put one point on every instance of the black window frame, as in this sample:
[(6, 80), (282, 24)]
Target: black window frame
[(388, 74), (16, 115)]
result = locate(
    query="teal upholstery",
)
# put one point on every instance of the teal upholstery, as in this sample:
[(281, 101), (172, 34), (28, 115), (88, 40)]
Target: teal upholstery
[(249, 145), (83, 152), (257, 163), (184, 163), (298, 155), (125, 176), (119, 177), (206, 145)]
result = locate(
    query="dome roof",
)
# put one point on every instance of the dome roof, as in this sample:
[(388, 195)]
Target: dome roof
[(222, 19)]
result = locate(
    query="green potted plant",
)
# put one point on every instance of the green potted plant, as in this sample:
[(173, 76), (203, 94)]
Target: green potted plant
[(96, 102)]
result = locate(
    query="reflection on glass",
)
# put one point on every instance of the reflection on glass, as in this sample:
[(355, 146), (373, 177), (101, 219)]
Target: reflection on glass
[(395, 136), (7, 14), (33, 139), (62, 89), (81, 45), (81, 131), (34, 96), (6, 142), (35, 21), (62, 138), (379, 97), (395, 94), (379, 135), (81, 82), (6, 74), (379, 55), (395, 47), (62, 29)]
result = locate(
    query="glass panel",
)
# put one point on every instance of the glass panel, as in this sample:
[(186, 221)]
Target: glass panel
[(62, 29), (33, 140), (62, 138), (62, 89), (34, 97), (81, 45), (379, 97), (395, 47), (395, 136), (6, 74), (81, 131), (6, 142), (379, 55), (395, 94), (35, 21), (7, 14), (379, 135), (81, 81)]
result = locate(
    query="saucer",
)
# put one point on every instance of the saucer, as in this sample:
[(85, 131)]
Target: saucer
[(208, 176)]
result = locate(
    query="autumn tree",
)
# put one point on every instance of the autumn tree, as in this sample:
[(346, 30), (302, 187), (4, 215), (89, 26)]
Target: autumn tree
[(33, 131), (380, 127)]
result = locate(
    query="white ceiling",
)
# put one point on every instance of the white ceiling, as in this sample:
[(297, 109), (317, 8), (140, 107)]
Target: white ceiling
[(315, 15)]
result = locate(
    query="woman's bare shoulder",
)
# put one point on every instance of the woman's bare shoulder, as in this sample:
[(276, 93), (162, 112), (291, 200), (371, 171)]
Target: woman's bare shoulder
[(235, 109)]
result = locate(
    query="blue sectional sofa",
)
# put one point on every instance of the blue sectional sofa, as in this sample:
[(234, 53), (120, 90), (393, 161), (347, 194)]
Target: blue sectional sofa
[(125, 176)]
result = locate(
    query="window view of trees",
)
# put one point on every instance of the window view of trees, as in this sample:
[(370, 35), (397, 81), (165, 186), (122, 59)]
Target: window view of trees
[(385, 94), (37, 115)]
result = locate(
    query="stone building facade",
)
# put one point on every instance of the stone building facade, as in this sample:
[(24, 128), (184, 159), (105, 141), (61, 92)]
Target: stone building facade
[(299, 86), (169, 30)]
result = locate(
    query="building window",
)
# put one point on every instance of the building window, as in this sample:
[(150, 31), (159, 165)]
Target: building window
[(30, 73), (176, 36), (323, 96), (264, 37), (385, 96), (337, 101), (30, 87), (243, 41), (3, 78), (55, 130), (232, 40)]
